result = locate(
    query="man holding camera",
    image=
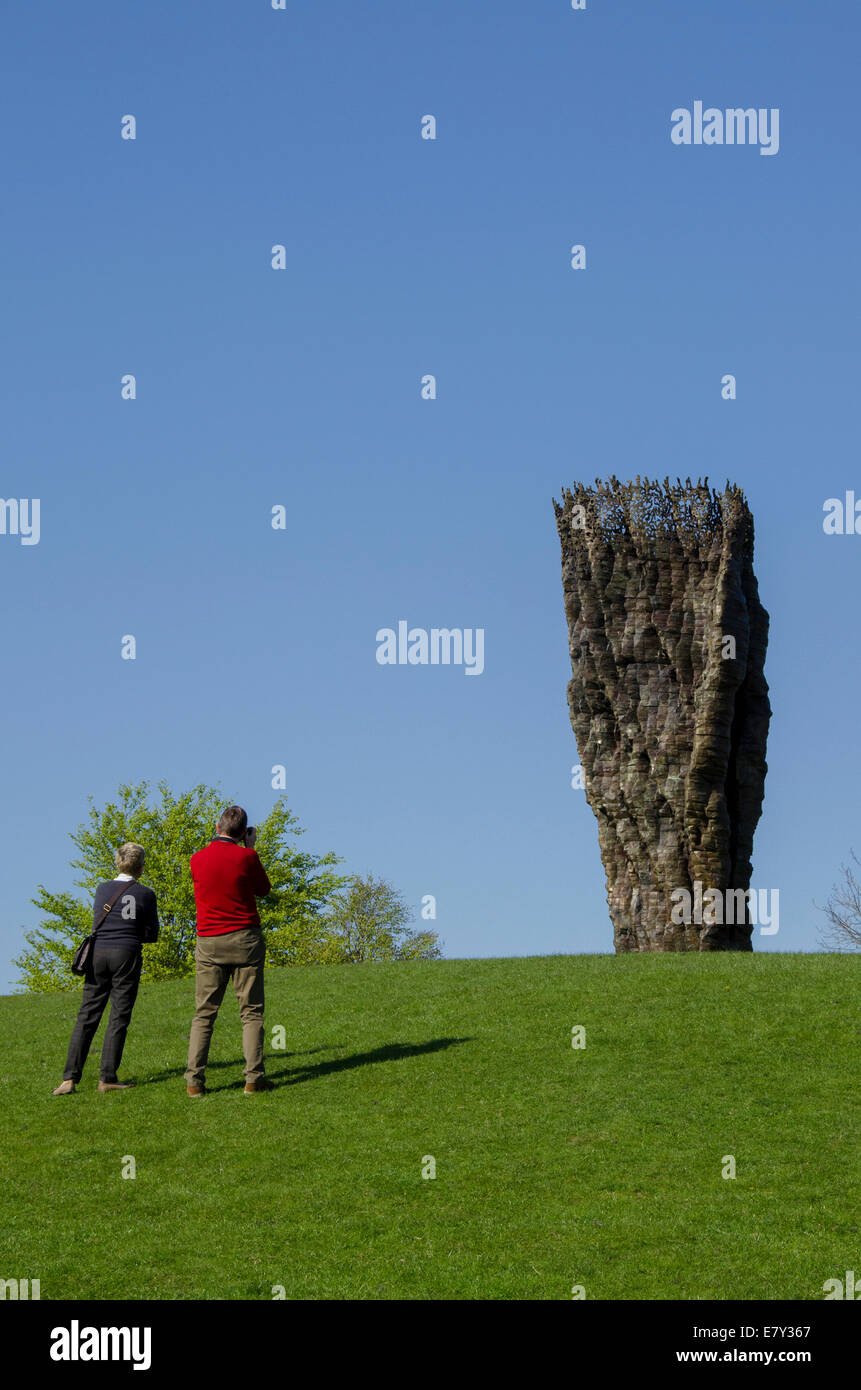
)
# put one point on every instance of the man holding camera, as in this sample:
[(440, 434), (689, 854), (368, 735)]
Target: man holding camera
[(228, 876)]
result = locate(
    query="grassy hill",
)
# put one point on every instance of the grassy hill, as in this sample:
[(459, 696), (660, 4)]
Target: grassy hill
[(554, 1166)]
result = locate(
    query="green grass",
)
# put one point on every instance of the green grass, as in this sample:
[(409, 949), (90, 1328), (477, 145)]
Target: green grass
[(554, 1166)]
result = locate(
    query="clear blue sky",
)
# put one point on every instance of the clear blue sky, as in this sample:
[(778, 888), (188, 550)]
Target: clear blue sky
[(302, 387)]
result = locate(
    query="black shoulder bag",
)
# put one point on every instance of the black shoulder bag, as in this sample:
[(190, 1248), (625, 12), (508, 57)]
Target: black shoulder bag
[(84, 952)]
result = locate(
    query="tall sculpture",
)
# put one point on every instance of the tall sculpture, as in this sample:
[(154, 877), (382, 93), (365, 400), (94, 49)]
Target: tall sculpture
[(668, 703)]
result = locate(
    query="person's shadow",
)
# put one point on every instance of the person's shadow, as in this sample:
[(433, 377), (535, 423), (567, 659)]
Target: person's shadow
[(392, 1052), (293, 1076)]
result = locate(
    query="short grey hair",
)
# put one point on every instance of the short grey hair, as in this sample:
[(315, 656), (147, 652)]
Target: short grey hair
[(130, 858)]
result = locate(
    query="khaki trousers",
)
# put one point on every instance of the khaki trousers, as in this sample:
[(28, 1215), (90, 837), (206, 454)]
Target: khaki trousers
[(240, 956)]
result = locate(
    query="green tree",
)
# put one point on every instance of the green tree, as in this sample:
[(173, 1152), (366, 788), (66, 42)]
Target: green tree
[(171, 828), (369, 922)]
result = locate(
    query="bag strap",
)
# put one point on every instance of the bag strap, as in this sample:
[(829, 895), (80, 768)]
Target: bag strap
[(111, 902)]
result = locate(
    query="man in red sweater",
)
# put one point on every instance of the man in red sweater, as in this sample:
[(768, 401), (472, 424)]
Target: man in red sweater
[(228, 876)]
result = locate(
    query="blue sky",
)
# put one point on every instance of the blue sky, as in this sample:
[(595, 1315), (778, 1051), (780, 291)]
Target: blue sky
[(257, 387)]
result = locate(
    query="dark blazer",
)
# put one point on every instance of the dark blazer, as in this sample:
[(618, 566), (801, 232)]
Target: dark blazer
[(132, 920)]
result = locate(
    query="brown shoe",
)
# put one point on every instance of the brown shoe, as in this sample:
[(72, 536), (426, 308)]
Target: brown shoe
[(195, 1091), (65, 1088), (115, 1086), (261, 1084)]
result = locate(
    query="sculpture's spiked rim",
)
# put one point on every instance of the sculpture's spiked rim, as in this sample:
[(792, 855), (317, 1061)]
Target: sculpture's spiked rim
[(645, 509)]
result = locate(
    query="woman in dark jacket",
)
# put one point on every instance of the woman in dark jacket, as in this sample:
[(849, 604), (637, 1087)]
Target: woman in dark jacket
[(113, 971)]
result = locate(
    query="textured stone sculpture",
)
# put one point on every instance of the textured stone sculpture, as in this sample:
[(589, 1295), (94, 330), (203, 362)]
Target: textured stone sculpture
[(668, 703)]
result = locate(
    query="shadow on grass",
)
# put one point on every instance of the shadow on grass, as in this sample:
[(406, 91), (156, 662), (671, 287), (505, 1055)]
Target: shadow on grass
[(170, 1072), (293, 1076), (392, 1052)]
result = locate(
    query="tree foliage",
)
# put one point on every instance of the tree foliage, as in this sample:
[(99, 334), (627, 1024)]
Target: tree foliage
[(368, 921), (171, 828)]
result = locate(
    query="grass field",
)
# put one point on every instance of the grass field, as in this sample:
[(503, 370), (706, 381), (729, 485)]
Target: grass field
[(554, 1166)]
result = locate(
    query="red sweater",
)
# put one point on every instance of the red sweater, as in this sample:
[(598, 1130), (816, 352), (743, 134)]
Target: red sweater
[(227, 878)]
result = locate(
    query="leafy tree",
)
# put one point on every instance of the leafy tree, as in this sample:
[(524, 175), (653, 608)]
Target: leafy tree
[(171, 828), (843, 911), (368, 922)]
